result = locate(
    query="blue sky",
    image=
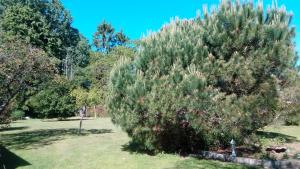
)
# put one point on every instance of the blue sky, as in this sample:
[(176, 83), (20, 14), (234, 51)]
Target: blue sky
[(136, 17)]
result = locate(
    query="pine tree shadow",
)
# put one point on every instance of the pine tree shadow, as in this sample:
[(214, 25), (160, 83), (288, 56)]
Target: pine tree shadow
[(38, 138), (133, 147), (12, 128), (62, 120), (10, 160)]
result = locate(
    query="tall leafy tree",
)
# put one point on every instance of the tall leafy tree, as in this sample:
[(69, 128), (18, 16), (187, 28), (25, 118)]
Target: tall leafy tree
[(43, 24), (76, 57), (23, 22), (22, 68)]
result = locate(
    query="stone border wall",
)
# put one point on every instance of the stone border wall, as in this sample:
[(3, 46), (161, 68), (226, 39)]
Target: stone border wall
[(268, 164)]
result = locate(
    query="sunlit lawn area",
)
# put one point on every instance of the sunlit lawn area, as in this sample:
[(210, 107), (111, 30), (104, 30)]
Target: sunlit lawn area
[(56, 145), (292, 131)]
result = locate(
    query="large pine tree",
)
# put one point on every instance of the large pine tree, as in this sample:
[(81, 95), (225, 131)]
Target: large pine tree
[(199, 83)]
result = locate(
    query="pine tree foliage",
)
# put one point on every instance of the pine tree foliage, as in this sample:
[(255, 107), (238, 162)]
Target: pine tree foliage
[(197, 84)]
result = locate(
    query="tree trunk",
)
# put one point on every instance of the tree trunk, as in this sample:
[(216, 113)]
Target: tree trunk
[(66, 67), (104, 41), (82, 113), (80, 124)]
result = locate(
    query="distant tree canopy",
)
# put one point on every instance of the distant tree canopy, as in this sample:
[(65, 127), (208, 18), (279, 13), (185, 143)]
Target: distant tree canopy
[(77, 57), (197, 84), (106, 38), (92, 80), (41, 23)]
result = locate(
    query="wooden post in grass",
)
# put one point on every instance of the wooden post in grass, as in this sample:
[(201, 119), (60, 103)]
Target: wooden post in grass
[(82, 113), (95, 114)]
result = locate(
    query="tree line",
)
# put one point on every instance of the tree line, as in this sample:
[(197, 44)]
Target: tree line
[(47, 67)]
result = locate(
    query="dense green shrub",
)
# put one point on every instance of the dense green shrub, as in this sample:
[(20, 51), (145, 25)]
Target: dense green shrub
[(17, 115), (54, 101), (196, 84)]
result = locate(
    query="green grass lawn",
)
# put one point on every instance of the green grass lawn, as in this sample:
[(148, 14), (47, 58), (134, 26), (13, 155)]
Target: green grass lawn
[(56, 145)]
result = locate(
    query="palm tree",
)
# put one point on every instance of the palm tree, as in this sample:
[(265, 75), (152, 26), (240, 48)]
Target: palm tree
[(103, 36)]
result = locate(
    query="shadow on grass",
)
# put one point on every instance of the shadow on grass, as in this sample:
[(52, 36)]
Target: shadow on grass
[(13, 128), (273, 135), (133, 147), (196, 163), (10, 160), (56, 120), (38, 138)]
